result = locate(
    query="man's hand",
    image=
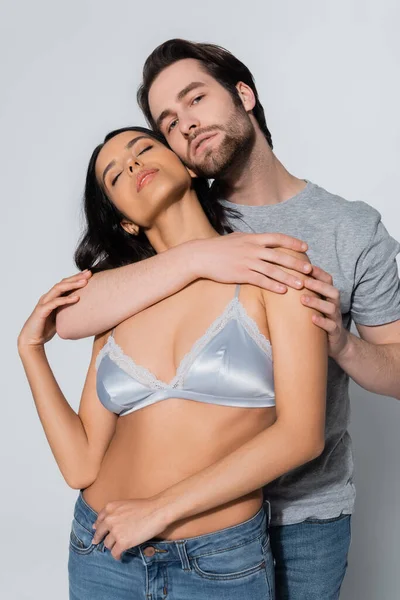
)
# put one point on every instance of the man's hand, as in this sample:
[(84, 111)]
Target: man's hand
[(127, 523), (249, 258), (329, 306)]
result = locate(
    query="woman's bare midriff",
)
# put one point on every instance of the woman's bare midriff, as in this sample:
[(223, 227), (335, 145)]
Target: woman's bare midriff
[(162, 444)]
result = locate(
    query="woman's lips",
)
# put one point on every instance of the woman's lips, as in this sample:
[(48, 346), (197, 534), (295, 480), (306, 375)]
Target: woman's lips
[(144, 177)]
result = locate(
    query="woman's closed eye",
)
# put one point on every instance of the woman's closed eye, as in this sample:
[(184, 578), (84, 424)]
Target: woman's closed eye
[(144, 150), (115, 179)]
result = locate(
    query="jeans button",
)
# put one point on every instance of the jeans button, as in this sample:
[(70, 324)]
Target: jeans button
[(149, 551)]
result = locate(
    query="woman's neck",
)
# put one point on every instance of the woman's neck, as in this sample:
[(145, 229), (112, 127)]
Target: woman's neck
[(182, 221)]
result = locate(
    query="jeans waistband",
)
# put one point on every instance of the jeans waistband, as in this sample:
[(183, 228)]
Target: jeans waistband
[(193, 547)]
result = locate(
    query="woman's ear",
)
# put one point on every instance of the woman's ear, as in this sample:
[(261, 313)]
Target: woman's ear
[(130, 227), (191, 173)]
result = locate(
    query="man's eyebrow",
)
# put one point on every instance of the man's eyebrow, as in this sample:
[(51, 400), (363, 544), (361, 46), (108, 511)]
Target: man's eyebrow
[(195, 84), (127, 147), (180, 96)]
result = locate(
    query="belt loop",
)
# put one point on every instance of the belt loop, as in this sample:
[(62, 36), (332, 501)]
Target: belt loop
[(142, 556), (181, 547), (269, 511)]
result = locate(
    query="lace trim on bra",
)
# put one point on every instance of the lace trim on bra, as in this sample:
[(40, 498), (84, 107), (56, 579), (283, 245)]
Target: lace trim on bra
[(234, 309), (252, 329), (127, 364)]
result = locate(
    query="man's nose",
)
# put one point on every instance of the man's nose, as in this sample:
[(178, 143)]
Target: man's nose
[(188, 126)]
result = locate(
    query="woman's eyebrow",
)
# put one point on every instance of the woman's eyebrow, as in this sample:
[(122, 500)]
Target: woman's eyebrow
[(127, 147), (136, 139)]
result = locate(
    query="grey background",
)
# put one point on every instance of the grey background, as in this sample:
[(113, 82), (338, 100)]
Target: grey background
[(327, 73)]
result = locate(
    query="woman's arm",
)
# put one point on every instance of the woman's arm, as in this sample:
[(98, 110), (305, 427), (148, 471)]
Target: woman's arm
[(78, 441), (115, 295), (296, 437)]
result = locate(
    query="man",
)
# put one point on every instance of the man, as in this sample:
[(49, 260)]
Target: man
[(205, 102)]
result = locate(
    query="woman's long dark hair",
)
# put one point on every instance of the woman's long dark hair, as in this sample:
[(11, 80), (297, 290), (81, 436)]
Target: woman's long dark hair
[(104, 243)]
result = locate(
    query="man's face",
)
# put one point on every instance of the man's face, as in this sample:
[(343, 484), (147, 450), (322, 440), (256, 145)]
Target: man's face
[(202, 123)]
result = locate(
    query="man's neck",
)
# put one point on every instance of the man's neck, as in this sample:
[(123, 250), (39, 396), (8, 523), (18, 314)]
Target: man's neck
[(260, 179)]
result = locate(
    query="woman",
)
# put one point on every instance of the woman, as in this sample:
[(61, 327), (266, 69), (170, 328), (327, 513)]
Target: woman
[(183, 416)]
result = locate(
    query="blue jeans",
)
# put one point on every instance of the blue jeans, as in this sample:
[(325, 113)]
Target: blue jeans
[(235, 563), (310, 558)]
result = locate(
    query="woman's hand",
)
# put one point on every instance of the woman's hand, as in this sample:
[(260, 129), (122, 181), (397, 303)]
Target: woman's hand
[(127, 523), (40, 326), (329, 306)]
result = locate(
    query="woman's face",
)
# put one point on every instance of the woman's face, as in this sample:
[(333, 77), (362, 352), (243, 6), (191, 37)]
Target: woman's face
[(141, 177)]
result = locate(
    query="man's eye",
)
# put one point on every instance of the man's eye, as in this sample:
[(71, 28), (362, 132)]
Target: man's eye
[(145, 150), (172, 125), (197, 98), (115, 179)]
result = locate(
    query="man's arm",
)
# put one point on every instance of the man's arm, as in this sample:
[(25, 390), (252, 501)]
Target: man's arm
[(112, 296), (374, 360)]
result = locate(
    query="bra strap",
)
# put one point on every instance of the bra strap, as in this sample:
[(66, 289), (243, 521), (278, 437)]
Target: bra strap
[(237, 290)]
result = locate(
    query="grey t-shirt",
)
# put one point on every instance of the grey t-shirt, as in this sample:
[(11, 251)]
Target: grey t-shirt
[(349, 241)]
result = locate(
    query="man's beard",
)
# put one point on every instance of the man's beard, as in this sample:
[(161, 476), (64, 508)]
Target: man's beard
[(238, 139)]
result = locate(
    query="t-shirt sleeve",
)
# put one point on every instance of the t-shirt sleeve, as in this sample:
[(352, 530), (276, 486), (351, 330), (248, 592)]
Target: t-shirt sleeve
[(376, 293)]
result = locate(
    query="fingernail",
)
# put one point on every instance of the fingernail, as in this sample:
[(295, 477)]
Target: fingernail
[(306, 298), (307, 267), (299, 283), (303, 246), (82, 281)]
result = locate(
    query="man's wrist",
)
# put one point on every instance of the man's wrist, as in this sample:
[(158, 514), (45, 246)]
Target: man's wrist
[(347, 352)]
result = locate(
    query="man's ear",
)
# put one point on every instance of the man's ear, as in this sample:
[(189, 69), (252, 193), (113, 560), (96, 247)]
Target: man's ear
[(246, 95), (130, 227)]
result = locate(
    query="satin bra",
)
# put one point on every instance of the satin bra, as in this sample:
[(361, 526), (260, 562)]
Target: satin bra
[(230, 365)]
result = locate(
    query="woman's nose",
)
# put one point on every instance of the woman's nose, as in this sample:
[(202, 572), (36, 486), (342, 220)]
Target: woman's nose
[(133, 164)]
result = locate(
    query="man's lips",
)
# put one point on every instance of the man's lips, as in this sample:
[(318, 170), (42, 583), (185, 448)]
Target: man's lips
[(144, 177), (201, 140)]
